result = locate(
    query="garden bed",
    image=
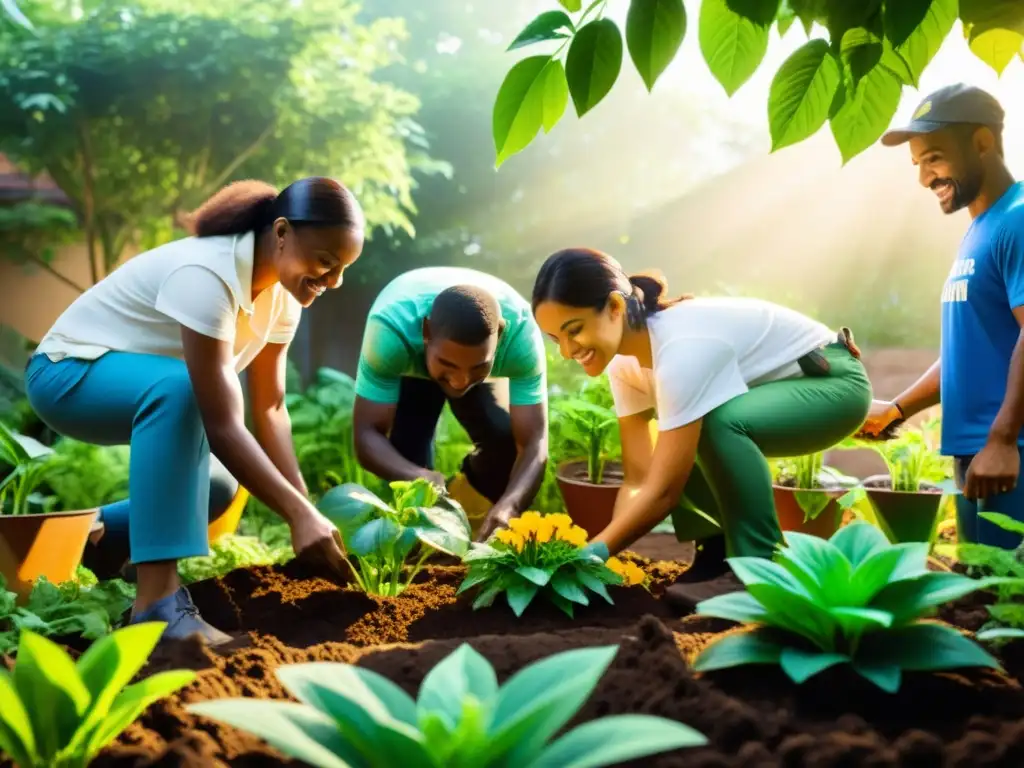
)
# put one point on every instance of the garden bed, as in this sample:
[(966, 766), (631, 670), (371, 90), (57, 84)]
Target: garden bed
[(753, 716)]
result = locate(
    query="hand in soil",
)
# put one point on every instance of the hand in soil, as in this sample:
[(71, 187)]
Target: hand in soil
[(497, 518), (317, 542), (882, 423)]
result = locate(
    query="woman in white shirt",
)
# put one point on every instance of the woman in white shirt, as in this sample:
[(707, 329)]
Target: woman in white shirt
[(730, 381), (151, 355)]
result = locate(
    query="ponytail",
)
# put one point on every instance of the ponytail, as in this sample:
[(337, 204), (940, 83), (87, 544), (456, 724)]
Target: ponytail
[(582, 277), (253, 206)]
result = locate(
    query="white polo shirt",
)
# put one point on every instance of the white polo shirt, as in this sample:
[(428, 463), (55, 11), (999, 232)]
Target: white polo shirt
[(706, 351), (204, 284)]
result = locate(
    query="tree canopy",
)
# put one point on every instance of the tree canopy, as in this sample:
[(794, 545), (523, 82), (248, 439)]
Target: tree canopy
[(140, 109), (850, 73)]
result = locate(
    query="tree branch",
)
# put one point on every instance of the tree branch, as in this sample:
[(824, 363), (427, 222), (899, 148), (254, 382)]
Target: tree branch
[(237, 162), (64, 279)]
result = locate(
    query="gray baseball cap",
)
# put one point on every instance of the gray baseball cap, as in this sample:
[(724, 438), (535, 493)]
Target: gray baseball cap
[(954, 104)]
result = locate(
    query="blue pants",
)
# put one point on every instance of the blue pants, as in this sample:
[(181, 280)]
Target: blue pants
[(145, 401), (977, 530)]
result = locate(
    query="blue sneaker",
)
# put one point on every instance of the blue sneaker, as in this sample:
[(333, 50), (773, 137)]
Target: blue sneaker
[(182, 618)]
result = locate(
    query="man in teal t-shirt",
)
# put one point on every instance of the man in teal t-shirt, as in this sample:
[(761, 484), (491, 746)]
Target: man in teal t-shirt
[(445, 334)]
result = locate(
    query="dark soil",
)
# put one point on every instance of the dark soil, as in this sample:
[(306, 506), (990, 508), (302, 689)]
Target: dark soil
[(612, 474), (753, 716)]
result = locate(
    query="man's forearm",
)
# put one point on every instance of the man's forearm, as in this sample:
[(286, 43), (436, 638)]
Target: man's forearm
[(526, 478), (273, 430), (1010, 419), (923, 393), (377, 455)]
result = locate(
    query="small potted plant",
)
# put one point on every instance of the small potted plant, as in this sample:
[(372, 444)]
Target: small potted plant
[(807, 494), (35, 542), (906, 501), (586, 428)]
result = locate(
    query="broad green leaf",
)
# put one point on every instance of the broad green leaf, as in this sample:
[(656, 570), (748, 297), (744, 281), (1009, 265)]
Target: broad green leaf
[(567, 586), (538, 576), (487, 596), (375, 537), (462, 674), (443, 530), (51, 691), (350, 506), (925, 647), (593, 583), (737, 650), (861, 51), (374, 714), (758, 570), (924, 40), (997, 47), (785, 17), (999, 633), (801, 93), (809, 12), (886, 676), (293, 729), (111, 662), (802, 665), (1008, 613), (911, 598), (617, 739), (550, 25), (857, 621), (572, 6), (762, 12), (865, 113), (733, 46), (1005, 522), (795, 613), (821, 560), (858, 541), (16, 736), (472, 579), (741, 607), (519, 594), (540, 699), (532, 96), (131, 702), (593, 63), (900, 561), (654, 33)]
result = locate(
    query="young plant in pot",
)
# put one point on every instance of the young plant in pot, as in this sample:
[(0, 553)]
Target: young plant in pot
[(586, 427), (35, 542), (807, 493), (908, 500)]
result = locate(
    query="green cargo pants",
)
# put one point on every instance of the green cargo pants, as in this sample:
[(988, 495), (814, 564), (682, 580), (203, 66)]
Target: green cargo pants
[(729, 490)]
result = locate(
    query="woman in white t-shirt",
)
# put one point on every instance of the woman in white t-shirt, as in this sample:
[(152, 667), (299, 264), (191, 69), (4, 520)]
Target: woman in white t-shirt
[(151, 355), (730, 381)]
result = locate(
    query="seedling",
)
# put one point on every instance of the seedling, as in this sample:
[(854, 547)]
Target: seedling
[(28, 460), (349, 716), (383, 537), (587, 428)]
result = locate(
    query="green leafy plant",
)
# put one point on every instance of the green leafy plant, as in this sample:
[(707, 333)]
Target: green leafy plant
[(348, 716), (853, 599), (850, 73), (585, 428), (382, 537), (910, 458), (28, 460), (539, 554), (229, 553), (54, 610), (55, 713), (810, 480)]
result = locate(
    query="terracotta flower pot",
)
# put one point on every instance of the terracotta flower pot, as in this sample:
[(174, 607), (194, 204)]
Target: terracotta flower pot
[(590, 506), (49, 545), (228, 522), (904, 516), (791, 515)]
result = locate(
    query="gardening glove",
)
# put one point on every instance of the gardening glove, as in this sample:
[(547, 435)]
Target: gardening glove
[(883, 421)]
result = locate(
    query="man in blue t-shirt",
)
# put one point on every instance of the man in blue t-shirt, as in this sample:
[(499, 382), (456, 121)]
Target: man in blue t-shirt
[(956, 140)]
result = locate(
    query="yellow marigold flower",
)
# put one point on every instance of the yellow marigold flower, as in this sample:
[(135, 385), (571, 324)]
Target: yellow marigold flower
[(615, 565), (544, 531), (560, 521), (526, 523), (634, 575), (512, 539), (575, 535)]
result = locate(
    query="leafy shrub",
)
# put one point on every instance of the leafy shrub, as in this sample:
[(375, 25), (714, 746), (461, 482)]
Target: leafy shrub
[(227, 554), (83, 475), (383, 537), (538, 554), (55, 713), (354, 717), (67, 609), (853, 599)]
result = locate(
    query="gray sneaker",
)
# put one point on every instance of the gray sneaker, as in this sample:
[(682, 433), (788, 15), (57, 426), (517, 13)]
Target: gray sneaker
[(182, 618)]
